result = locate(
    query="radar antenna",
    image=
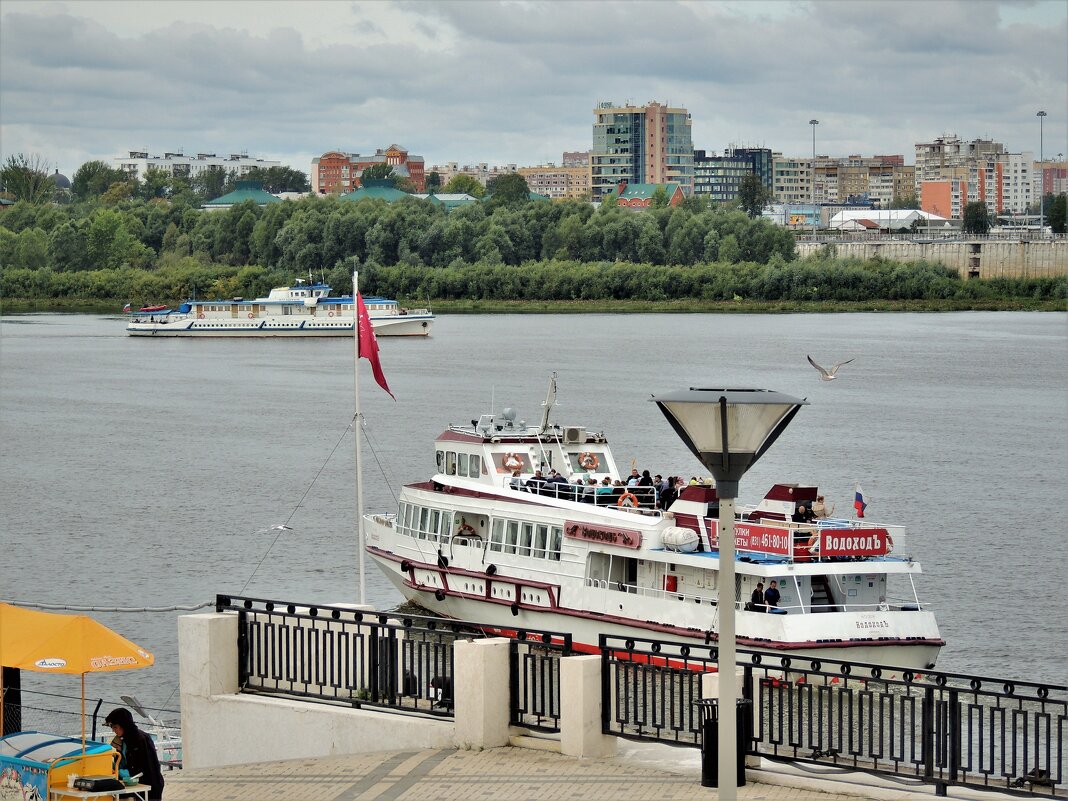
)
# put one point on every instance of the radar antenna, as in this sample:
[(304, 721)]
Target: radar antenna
[(547, 405)]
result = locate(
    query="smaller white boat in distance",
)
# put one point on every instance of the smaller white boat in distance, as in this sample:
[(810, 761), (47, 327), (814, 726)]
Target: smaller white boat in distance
[(517, 527), (301, 310)]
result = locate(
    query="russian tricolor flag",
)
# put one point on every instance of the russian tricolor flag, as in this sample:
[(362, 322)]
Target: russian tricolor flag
[(858, 502)]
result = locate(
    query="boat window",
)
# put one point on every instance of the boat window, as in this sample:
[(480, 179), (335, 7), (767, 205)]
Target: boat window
[(424, 517), (450, 463), (512, 537), (402, 529), (475, 469), (497, 536), (587, 462), (556, 542), (526, 536), (434, 529), (445, 526), (461, 466), (440, 459), (541, 540)]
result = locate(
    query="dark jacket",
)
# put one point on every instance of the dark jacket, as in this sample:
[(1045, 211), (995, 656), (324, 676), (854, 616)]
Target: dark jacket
[(137, 751)]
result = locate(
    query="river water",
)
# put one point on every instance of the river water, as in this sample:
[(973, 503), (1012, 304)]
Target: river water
[(142, 472)]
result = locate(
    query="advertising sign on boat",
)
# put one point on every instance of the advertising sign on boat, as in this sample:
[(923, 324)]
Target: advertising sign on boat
[(855, 542), (625, 538), (754, 537)]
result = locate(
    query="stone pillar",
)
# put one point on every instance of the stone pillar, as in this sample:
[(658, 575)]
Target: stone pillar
[(580, 709), (481, 692), (207, 654)]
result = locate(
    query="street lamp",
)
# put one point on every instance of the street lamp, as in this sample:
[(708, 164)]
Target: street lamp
[(728, 430), (1042, 180), (813, 123)]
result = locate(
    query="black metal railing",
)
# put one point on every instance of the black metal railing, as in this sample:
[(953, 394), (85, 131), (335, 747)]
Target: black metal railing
[(535, 679), (937, 728), (386, 660)]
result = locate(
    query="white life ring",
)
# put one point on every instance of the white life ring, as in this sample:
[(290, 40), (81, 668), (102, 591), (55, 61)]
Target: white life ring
[(589, 461), (329, 314), (512, 462), (200, 315), (250, 315)]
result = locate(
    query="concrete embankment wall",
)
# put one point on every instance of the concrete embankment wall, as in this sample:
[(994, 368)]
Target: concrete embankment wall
[(221, 726), (971, 258)]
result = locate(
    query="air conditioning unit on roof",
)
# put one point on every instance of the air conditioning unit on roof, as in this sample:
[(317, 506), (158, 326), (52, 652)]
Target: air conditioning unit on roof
[(574, 434)]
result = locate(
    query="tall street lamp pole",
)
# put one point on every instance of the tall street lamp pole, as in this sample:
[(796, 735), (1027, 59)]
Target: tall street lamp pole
[(1042, 176), (728, 430), (813, 123)]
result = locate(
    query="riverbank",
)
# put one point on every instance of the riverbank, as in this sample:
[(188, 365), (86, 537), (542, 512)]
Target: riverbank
[(682, 306)]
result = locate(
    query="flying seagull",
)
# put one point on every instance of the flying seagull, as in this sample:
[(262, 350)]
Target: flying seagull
[(825, 374)]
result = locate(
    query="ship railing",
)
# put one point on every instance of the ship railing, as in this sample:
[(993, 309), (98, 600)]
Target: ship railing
[(887, 606), (649, 592), (391, 661), (919, 725), (643, 498)]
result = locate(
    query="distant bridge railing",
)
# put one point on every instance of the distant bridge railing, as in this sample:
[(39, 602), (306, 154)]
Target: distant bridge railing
[(937, 728), (386, 660)]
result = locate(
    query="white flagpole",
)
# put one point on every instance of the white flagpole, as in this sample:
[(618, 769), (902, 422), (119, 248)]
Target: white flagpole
[(358, 432)]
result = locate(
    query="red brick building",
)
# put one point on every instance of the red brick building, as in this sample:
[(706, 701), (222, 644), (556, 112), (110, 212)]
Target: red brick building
[(335, 172)]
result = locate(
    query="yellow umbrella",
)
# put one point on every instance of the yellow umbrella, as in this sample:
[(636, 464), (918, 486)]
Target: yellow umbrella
[(46, 642)]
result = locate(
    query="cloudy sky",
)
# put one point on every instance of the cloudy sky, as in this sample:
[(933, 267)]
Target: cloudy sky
[(516, 82)]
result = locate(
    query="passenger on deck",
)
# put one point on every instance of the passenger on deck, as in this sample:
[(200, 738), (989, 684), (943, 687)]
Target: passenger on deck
[(634, 477), (802, 515), (819, 508), (668, 496), (604, 491), (536, 482), (590, 490), (756, 602), (771, 595), (516, 481)]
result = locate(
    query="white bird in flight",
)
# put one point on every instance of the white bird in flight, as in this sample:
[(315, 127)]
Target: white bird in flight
[(825, 374)]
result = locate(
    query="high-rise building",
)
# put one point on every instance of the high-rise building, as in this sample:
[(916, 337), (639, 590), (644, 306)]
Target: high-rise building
[(856, 179), (720, 177), (648, 144), (339, 173)]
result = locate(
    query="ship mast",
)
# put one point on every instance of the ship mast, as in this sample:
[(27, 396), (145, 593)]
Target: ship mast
[(547, 405)]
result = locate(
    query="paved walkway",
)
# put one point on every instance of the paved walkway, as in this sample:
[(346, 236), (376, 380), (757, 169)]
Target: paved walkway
[(500, 774)]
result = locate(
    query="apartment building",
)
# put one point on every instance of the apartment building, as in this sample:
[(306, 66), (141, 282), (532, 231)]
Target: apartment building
[(558, 183), (650, 144), (946, 155), (720, 177), (481, 172), (336, 172), (138, 162), (877, 180)]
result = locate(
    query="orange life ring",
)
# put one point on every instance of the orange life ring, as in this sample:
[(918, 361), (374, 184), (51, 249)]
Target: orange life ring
[(250, 315), (628, 499), (512, 462), (329, 314), (200, 315), (588, 461)]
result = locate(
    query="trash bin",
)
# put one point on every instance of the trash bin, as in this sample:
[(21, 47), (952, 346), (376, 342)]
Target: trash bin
[(709, 716), (33, 760)]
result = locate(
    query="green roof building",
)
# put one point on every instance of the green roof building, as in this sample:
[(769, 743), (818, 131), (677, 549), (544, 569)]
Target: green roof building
[(246, 190), (640, 196), (380, 190)]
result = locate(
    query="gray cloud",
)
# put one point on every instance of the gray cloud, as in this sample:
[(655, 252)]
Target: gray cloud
[(517, 82)]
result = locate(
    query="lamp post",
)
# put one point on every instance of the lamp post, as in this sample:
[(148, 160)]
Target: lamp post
[(813, 123), (1042, 179), (728, 430)]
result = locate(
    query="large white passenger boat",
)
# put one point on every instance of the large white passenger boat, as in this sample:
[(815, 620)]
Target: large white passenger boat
[(485, 540), (302, 310)]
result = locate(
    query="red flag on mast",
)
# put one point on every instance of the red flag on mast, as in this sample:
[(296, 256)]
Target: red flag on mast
[(369, 344)]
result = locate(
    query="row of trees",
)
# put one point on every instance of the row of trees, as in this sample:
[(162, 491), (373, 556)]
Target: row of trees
[(318, 232), (822, 278), (28, 178)]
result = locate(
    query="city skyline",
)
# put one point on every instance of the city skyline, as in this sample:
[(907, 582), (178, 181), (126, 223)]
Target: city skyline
[(518, 83)]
